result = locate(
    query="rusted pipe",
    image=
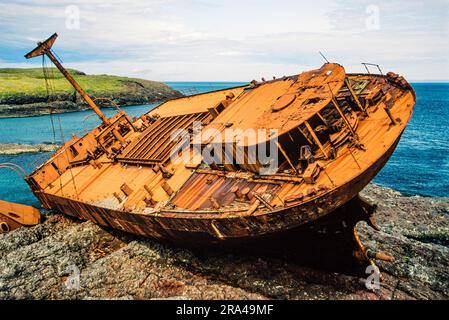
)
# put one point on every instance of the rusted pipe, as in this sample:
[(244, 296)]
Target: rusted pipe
[(253, 208), (4, 227), (118, 197), (214, 202), (167, 188), (247, 194), (235, 190), (379, 256)]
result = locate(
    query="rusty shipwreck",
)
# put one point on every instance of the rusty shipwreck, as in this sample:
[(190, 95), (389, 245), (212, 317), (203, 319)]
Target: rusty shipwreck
[(333, 131), (15, 215)]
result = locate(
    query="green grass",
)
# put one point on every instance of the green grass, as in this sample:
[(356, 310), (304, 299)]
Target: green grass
[(32, 82)]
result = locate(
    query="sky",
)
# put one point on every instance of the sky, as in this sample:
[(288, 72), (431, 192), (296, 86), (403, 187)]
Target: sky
[(210, 40)]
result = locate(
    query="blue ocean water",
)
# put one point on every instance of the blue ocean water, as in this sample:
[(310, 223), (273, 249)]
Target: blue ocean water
[(420, 165)]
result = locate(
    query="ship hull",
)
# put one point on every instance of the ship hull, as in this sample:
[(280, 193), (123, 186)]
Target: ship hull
[(195, 171), (195, 230)]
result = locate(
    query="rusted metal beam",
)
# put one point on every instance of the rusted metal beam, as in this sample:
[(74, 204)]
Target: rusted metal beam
[(118, 197), (286, 157), (214, 202), (317, 141), (247, 194), (263, 201), (379, 256), (279, 178), (322, 118), (253, 208), (167, 188), (342, 115), (236, 191), (305, 136), (354, 96)]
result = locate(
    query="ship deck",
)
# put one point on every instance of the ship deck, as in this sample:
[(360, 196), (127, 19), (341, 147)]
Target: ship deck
[(96, 177)]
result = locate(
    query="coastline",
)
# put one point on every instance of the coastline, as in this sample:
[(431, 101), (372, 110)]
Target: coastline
[(66, 106), (25, 93), (35, 262), (18, 148)]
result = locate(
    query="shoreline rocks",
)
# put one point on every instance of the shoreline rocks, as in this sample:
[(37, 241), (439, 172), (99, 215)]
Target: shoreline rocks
[(43, 262), (136, 93)]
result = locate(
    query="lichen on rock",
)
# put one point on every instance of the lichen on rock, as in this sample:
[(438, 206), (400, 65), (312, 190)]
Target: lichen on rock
[(39, 262)]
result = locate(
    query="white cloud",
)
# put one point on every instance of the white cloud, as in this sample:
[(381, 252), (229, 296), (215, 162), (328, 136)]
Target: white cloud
[(232, 40)]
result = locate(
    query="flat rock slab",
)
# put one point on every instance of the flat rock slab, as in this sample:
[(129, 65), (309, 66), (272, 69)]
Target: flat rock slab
[(44, 262)]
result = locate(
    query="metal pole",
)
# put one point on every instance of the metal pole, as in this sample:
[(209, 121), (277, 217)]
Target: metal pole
[(77, 87)]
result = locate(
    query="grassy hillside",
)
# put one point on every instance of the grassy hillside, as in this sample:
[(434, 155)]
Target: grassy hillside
[(31, 82), (23, 92)]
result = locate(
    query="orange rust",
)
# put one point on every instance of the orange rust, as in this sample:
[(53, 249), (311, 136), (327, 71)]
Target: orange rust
[(321, 111)]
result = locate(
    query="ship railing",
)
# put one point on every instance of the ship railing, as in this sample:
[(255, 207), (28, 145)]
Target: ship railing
[(366, 64)]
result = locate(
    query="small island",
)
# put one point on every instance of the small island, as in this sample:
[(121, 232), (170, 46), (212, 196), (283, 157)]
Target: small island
[(25, 92)]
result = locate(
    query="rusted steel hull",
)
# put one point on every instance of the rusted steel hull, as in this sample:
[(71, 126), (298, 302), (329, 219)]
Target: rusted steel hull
[(330, 242), (196, 171), (199, 231)]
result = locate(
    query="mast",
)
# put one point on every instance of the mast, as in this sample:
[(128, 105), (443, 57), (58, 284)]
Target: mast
[(44, 48)]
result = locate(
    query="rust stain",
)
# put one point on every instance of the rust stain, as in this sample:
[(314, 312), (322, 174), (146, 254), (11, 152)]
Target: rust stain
[(335, 132)]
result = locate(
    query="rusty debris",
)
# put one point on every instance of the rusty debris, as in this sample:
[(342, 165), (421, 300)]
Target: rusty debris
[(14, 216), (333, 132)]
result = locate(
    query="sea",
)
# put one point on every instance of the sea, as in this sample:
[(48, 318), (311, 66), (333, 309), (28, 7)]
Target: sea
[(419, 166)]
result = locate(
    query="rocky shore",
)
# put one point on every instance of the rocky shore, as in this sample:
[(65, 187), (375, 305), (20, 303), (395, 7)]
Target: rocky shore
[(16, 148), (61, 103), (42, 262)]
